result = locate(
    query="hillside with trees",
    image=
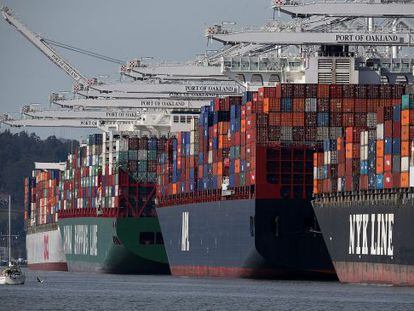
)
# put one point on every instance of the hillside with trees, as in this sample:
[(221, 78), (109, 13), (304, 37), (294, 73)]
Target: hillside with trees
[(18, 152)]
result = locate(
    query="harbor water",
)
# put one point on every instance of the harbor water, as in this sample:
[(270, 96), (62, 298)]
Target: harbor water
[(82, 291)]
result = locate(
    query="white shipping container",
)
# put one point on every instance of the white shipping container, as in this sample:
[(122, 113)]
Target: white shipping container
[(364, 153), (411, 176), (405, 164), (339, 184), (380, 131), (210, 156)]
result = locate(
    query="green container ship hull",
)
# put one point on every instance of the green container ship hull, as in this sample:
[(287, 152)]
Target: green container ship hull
[(114, 245)]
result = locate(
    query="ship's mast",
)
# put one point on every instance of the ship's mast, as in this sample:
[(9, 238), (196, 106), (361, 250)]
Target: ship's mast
[(9, 235)]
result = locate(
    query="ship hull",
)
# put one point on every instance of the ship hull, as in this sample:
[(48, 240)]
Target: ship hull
[(370, 241), (45, 249), (113, 245), (243, 238)]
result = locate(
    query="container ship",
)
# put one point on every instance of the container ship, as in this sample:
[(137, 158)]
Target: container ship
[(234, 194), (103, 217), (43, 241), (364, 198), (107, 215)]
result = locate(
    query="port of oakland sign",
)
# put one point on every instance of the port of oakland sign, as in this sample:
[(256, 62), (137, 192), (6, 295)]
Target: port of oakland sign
[(371, 234), (370, 38), (154, 103), (212, 88)]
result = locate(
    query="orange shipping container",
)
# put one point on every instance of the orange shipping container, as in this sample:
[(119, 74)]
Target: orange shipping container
[(237, 166), (405, 132), (380, 148), (220, 168), (298, 104), (348, 150), (380, 165), (339, 143), (405, 180), (286, 119), (318, 159), (315, 186), (298, 119), (405, 149), (266, 105)]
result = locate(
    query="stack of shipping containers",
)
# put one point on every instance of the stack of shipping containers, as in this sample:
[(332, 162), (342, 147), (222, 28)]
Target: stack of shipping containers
[(281, 127), (107, 173), (376, 157), (42, 197)]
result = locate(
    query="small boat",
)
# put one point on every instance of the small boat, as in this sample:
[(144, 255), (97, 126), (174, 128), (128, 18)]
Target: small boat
[(13, 274)]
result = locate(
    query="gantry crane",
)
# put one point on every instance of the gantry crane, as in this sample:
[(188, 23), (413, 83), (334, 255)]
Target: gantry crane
[(40, 43)]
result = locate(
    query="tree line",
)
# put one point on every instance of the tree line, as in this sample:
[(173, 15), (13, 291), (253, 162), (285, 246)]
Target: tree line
[(18, 152)]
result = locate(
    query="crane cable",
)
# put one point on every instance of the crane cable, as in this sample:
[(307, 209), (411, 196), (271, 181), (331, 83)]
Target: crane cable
[(83, 51)]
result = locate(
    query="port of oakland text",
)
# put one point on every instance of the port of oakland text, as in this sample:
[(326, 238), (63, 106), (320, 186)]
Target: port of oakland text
[(211, 88), (369, 38), (371, 234)]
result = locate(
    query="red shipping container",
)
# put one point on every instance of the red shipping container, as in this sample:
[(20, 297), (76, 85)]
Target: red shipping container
[(396, 180), (274, 104), (336, 91), (388, 180), (363, 182), (336, 104), (387, 163), (298, 104), (286, 119), (298, 119), (341, 170), (348, 105), (336, 119), (360, 105), (372, 105), (396, 129), (388, 129), (380, 115), (360, 119), (348, 183), (347, 119), (323, 90), (274, 118)]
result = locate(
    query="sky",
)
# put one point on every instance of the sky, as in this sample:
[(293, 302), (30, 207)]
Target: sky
[(123, 29)]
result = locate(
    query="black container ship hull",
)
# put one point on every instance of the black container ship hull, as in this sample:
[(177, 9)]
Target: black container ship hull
[(370, 240), (244, 238)]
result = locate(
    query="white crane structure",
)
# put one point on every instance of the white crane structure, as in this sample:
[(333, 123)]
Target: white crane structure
[(160, 123), (150, 103), (46, 49), (374, 36)]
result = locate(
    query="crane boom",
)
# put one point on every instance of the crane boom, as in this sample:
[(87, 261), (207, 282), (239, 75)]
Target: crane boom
[(44, 47)]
